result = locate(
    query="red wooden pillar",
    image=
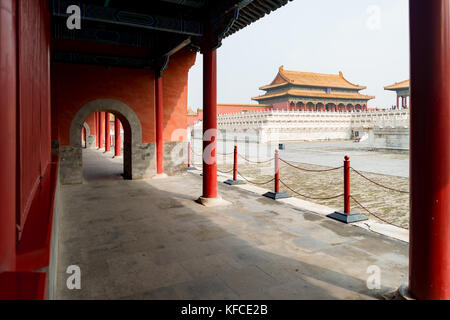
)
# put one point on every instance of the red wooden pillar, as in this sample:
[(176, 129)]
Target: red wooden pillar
[(429, 265), (83, 134), (8, 138), (101, 129), (209, 123), (107, 133), (96, 129), (117, 142), (159, 122)]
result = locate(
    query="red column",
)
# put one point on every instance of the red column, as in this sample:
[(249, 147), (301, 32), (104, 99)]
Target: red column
[(107, 133), (8, 138), (83, 134), (159, 122), (209, 123), (101, 129), (235, 173), (117, 142), (429, 265), (96, 129)]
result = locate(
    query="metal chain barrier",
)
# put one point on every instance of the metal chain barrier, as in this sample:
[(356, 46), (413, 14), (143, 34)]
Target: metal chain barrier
[(225, 172), (310, 198), (376, 183), (256, 183), (224, 154), (256, 162), (347, 195), (310, 170), (376, 216)]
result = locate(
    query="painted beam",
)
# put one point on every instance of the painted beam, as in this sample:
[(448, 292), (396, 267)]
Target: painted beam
[(102, 60), (134, 39), (188, 3), (130, 19)]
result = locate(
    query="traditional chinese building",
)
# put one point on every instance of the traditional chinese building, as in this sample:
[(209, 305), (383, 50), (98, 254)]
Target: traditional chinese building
[(402, 91), (306, 91)]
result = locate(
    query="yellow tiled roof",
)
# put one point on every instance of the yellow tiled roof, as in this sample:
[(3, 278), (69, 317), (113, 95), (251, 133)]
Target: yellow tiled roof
[(398, 85), (191, 112), (313, 94), (311, 79)]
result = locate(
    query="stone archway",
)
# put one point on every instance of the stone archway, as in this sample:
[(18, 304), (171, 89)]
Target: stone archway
[(90, 139), (138, 158)]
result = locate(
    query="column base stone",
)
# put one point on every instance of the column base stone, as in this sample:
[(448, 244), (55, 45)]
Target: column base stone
[(403, 292), (213, 202), (160, 176)]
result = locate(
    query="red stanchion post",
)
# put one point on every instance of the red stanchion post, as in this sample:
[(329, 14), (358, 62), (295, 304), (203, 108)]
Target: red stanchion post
[(277, 171), (277, 194), (235, 164), (347, 185), (347, 216), (235, 170)]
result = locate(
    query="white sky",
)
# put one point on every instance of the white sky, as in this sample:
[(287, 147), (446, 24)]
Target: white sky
[(325, 36)]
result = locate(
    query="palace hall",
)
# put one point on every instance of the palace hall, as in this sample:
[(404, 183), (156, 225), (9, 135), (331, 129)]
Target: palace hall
[(307, 91), (402, 91)]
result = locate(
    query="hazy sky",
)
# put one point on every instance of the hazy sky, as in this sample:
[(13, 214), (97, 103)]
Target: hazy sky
[(368, 40)]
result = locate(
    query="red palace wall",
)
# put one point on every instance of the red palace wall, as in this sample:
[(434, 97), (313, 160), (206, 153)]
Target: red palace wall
[(27, 171), (91, 123), (227, 109), (71, 90)]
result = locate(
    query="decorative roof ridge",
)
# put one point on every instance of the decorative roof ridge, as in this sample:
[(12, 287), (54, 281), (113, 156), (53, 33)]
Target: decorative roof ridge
[(340, 75), (397, 84)]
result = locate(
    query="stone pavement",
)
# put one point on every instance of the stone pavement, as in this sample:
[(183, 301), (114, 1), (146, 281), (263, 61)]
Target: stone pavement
[(148, 239)]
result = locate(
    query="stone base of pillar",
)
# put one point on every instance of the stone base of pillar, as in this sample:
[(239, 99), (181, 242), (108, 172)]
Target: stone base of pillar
[(160, 176), (352, 217), (403, 293), (213, 202)]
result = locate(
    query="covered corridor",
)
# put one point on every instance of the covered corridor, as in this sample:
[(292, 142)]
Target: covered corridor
[(148, 239)]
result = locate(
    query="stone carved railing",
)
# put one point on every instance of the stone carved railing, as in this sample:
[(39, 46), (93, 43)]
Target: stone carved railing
[(281, 125)]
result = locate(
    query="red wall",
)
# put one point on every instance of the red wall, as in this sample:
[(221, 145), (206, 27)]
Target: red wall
[(34, 103), (25, 115), (227, 109), (91, 123), (7, 135), (75, 85)]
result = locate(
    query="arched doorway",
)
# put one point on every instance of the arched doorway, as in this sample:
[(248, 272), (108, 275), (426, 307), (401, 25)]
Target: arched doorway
[(331, 107), (300, 106), (138, 158)]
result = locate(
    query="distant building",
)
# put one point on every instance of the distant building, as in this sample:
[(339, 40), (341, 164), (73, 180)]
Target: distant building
[(402, 90), (306, 91)]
